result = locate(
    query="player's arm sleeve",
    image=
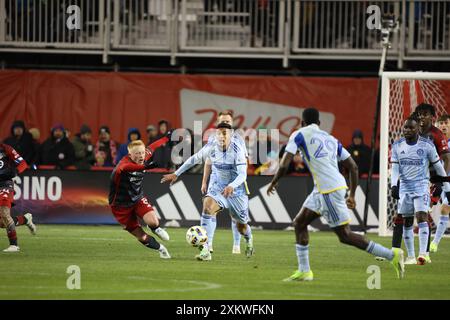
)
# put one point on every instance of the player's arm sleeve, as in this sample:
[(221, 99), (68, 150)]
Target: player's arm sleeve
[(437, 165), (395, 171), (294, 142), (195, 159), (158, 143), (441, 143), (20, 163), (241, 166), (342, 153), (242, 176)]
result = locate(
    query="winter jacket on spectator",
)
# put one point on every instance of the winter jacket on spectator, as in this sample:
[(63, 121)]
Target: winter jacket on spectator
[(57, 149), (22, 141), (105, 149), (84, 150), (123, 149)]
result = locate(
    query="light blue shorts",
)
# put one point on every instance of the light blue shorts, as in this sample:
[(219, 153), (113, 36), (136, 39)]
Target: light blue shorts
[(238, 204), (410, 203), (331, 206)]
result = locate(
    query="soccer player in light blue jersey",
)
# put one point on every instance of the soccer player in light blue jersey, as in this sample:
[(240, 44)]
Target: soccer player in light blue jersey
[(224, 117), (411, 158), (322, 152), (226, 188)]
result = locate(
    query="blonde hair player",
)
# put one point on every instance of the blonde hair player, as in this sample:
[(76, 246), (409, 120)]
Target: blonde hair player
[(126, 196)]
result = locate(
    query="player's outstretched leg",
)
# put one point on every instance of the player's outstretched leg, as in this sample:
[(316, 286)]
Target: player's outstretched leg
[(424, 231), (209, 222), (301, 222), (441, 228), (398, 232), (246, 231), (8, 222), (25, 219), (152, 222), (408, 238), (395, 255), (236, 238), (150, 242)]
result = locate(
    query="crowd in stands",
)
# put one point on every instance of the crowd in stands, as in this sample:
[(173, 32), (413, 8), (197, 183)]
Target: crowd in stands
[(81, 152)]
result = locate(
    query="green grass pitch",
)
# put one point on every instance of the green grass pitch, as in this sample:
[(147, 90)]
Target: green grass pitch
[(115, 266)]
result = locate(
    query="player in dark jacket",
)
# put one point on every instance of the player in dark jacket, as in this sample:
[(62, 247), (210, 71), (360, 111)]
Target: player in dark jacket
[(11, 164), (126, 196)]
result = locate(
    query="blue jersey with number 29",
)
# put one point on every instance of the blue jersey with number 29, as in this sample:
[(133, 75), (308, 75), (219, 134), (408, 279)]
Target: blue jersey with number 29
[(321, 152)]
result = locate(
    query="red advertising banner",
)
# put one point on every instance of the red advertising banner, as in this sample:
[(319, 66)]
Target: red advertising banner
[(123, 100)]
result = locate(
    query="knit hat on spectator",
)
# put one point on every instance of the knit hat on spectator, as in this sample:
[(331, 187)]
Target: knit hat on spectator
[(85, 129), (104, 129), (150, 127), (58, 126), (357, 134)]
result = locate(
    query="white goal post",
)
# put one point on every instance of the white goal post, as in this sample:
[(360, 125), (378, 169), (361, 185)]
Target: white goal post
[(401, 92)]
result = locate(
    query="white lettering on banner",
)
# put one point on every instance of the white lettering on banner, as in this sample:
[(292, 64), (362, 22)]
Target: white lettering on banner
[(360, 198), (39, 188), (185, 201), (204, 106)]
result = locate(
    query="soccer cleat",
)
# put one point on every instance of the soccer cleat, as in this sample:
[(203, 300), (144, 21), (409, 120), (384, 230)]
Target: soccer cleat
[(410, 260), (380, 258), (433, 247), (398, 262), (162, 234), (423, 259), (29, 217), (236, 250), (211, 248), (204, 255), (163, 253), (249, 248), (300, 276), (12, 248)]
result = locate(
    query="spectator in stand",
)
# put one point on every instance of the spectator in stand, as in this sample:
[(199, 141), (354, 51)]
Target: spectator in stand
[(22, 141), (133, 134), (84, 150), (36, 134), (360, 152), (105, 149), (297, 165), (57, 149), (161, 156), (152, 134)]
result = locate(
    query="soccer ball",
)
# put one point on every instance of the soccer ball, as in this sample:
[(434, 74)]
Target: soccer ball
[(196, 236)]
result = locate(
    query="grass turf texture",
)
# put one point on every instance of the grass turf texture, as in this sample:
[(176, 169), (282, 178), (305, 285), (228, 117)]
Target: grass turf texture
[(115, 266)]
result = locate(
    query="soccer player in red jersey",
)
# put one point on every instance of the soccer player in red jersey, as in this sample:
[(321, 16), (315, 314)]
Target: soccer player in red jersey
[(11, 164), (126, 196), (425, 114)]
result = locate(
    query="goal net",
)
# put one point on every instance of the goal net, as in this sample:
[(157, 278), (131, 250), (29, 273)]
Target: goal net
[(401, 92)]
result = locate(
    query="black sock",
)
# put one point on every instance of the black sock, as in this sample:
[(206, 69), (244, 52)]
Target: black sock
[(397, 235), (153, 229), (151, 243)]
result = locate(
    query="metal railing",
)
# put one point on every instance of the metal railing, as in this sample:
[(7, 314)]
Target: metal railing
[(43, 23), (230, 25), (429, 27), (287, 29), (338, 26)]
